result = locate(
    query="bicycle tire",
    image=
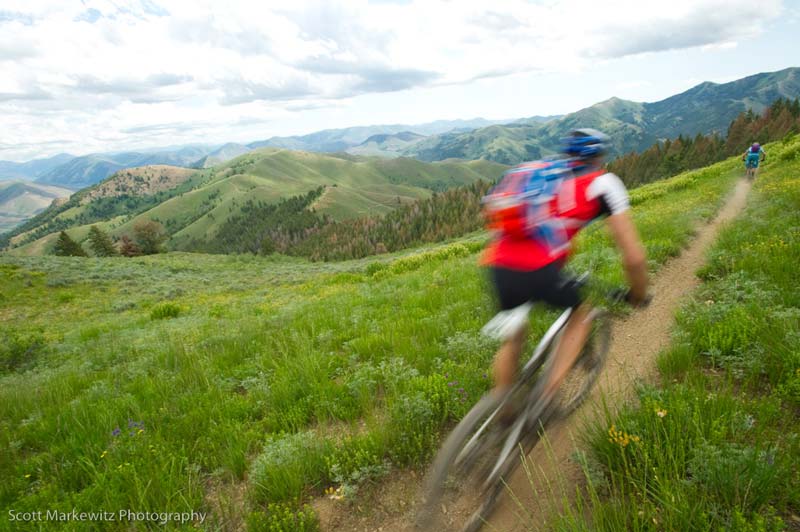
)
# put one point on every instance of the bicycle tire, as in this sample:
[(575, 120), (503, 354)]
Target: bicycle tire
[(454, 472), (580, 380)]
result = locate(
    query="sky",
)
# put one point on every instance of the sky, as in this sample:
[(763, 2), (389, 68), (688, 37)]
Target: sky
[(112, 75)]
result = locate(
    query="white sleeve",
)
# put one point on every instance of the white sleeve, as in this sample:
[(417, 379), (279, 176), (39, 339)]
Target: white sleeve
[(612, 191)]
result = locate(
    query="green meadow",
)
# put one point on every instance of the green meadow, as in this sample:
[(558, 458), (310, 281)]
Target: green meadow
[(716, 445), (246, 386)]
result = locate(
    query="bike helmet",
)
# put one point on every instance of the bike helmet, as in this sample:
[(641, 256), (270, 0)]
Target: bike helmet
[(586, 143), (755, 147)]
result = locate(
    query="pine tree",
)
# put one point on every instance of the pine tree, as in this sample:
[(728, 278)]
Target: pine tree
[(66, 247), (101, 243)]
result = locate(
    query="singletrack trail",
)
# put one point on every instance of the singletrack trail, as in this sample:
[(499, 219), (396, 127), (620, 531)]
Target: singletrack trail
[(534, 501)]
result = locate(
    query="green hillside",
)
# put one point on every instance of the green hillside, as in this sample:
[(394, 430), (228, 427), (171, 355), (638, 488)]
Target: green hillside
[(194, 211), (243, 386), (704, 109), (21, 200)]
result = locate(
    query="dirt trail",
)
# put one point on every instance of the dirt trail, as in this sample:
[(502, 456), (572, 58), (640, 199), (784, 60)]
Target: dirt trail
[(636, 340)]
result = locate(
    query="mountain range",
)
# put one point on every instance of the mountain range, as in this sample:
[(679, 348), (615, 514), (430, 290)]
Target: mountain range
[(633, 126)]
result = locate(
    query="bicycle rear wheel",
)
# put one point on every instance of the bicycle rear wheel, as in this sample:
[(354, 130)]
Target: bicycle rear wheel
[(581, 378)]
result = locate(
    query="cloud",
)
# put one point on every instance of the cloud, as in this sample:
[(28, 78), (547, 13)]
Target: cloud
[(711, 23), (388, 80), (91, 16), (96, 70), (237, 92), (31, 95), (139, 90), (11, 16)]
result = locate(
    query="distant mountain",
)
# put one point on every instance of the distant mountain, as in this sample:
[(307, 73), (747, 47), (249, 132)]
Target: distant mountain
[(30, 170), (224, 153), (334, 140), (80, 172), (387, 145), (706, 108), (194, 211), (21, 200)]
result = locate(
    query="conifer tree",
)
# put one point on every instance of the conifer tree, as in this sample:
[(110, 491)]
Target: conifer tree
[(101, 243), (66, 247)]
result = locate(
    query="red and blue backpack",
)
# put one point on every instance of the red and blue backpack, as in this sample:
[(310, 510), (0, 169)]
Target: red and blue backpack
[(519, 205)]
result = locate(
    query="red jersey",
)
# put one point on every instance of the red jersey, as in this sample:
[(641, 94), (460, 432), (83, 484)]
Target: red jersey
[(579, 201)]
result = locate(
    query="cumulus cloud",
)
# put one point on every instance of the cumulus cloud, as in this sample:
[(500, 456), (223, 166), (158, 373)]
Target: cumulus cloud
[(100, 68)]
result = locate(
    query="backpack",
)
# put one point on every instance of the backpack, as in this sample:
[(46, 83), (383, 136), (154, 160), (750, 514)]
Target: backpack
[(753, 157), (519, 205)]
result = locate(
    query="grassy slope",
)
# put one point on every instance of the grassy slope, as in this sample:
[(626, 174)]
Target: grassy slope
[(362, 186), (259, 348), (718, 444)]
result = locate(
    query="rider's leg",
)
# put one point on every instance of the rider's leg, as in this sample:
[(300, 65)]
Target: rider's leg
[(569, 347), (506, 361)]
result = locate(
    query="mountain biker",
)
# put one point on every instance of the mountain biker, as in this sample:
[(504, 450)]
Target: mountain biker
[(754, 155), (527, 268)]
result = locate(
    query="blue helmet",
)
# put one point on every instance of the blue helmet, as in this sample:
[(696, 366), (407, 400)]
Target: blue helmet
[(586, 143)]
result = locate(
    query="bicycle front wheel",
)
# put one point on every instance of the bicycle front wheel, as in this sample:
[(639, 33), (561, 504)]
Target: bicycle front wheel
[(455, 496), (581, 378)]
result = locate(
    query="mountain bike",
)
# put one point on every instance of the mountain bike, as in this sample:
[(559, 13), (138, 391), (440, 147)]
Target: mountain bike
[(750, 171), (469, 472)]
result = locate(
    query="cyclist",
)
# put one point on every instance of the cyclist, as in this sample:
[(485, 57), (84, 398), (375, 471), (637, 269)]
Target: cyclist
[(528, 268), (754, 155)]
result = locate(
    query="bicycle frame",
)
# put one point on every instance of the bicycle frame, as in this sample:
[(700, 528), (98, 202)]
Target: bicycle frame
[(532, 365)]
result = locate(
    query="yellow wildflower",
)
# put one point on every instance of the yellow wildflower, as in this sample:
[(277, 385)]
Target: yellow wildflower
[(661, 412)]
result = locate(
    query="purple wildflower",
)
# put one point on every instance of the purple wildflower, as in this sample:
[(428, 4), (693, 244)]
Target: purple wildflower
[(116, 432)]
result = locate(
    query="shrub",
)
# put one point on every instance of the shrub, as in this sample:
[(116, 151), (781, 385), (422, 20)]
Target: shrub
[(165, 311), (283, 518), (288, 463), (19, 350)]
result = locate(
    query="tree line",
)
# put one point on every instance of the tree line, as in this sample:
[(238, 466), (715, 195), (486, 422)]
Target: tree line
[(664, 159), (147, 238)]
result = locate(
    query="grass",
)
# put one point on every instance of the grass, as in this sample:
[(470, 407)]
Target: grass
[(277, 375), (716, 446)]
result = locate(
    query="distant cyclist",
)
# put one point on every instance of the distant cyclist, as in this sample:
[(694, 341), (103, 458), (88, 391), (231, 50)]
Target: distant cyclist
[(754, 155), (532, 244)]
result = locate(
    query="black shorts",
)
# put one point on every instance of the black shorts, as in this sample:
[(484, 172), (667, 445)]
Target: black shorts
[(547, 284)]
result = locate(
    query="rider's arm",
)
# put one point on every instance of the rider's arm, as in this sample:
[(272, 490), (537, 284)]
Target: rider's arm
[(634, 258), (613, 196)]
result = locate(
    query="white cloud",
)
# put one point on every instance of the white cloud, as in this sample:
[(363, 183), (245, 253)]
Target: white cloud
[(99, 68)]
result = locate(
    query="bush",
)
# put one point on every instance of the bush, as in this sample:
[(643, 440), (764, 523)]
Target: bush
[(283, 518), (19, 350), (165, 311), (288, 463)]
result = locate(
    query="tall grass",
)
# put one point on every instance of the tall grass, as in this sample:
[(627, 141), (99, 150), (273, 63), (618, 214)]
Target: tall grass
[(276, 376), (716, 446)]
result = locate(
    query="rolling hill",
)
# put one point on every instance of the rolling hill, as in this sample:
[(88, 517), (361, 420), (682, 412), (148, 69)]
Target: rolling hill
[(193, 211), (706, 108), (21, 200), (387, 145)]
